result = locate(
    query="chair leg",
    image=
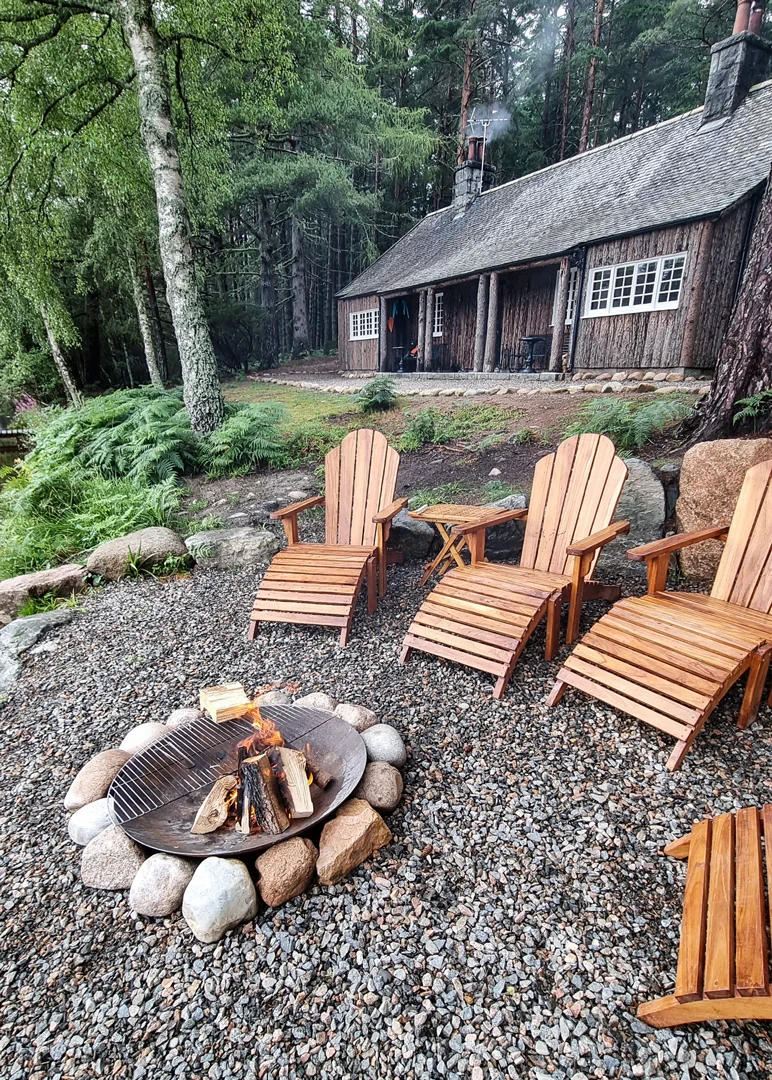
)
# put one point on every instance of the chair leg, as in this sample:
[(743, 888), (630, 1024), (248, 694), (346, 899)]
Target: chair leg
[(344, 633), (372, 587), (556, 693), (553, 627), (405, 655), (757, 676), (252, 630)]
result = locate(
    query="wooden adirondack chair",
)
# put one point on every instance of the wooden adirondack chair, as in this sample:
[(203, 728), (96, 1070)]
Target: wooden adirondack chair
[(723, 957), (483, 615), (668, 658), (320, 583)]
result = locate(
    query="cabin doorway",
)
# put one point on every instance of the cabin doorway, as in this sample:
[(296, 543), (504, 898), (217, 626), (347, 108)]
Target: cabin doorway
[(401, 333)]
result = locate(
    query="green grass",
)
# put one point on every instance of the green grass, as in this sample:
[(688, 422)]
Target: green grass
[(630, 424), (302, 405), (35, 605)]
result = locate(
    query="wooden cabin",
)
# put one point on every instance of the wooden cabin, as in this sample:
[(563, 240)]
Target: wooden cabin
[(628, 256)]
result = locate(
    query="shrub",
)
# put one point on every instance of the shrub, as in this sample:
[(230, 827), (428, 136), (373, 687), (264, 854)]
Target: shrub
[(422, 429), (249, 438), (378, 395), (629, 424)]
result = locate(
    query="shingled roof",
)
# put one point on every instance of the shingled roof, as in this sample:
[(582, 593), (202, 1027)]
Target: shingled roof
[(668, 173)]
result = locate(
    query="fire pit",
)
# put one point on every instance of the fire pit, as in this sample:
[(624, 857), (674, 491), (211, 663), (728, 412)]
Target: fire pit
[(157, 795)]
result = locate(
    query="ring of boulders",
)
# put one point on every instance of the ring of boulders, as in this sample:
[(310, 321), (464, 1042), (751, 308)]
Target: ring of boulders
[(217, 894)]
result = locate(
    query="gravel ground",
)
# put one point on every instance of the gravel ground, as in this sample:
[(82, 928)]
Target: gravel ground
[(521, 914)]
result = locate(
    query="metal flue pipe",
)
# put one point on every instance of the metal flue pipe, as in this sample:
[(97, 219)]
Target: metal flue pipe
[(742, 18)]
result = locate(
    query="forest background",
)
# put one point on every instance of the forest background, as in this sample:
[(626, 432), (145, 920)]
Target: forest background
[(311, 137)]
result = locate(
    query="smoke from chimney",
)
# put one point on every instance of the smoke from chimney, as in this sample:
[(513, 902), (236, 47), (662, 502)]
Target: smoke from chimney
[(488, 121)]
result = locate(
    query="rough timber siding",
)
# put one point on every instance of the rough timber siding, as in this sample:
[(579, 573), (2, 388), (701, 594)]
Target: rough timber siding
[(527, 297), (459, 324), (356, 355), (646, 339), (720, 285)]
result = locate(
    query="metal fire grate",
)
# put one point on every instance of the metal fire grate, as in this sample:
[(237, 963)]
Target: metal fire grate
[(156, 795)]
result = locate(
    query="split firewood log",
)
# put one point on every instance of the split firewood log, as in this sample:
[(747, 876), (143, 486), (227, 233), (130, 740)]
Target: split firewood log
[(214, 809), (289, 767)]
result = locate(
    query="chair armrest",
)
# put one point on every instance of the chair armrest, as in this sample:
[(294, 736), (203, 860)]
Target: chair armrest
[(296, 508), (488, 523), (599, 539), (675, 543), (389, 511)]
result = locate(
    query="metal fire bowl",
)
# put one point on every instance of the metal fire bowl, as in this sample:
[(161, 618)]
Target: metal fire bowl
[(157, 793)]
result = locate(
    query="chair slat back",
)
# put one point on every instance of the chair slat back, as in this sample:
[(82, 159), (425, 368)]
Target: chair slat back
[(744, 575), (575, 493), (360, 479)]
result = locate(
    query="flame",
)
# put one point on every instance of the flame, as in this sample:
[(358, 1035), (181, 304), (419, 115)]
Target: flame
[(265, 733)]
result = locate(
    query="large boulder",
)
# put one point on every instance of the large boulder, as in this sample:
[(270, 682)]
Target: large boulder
[(413, 538), (219, 897), (352, 836), (505, 542), (88, 822), (144, 548), (642, 503), (160, 884), (381, 786), (360, 717), (61, 581), (20, 635), (232, 549), (286, 870), (712, 474), (95, 778), (111, 860), (384, 743), (143, 735)]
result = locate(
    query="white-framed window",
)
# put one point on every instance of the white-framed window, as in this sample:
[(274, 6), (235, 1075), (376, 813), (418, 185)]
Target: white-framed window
[(648, 285), (364, 324), (573, 284), (439, 314)]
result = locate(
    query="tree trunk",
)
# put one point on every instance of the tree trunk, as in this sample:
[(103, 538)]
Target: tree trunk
[(155, 314), (145, 322), (568, 55), (300, 334), (561, 312), (428, 328), (466, 97), (269, 294), (61, 364), (492, 333), (421, 364), (480, 322), (592, 72), (744, 364), (202, 391)]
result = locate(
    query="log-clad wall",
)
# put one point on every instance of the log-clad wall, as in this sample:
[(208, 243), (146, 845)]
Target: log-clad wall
[(356, 355), (647, 339)]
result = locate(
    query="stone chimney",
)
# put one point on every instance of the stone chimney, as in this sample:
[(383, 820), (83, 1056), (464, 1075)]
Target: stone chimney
[(466, 186), (737, 63)]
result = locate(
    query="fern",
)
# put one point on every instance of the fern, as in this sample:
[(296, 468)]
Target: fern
[(756, 405), (378, 395), (249, 438), (630, 425)]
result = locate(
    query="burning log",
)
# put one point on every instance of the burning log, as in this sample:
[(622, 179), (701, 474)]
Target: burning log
[(259, 804), (319, 765), (213, 811), (290, 770)]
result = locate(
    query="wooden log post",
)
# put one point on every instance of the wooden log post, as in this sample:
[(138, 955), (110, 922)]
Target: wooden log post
[(482, 314), (492, 333), (559, 329), (421, 355), (696, 292), (429, 328), (383, 360)]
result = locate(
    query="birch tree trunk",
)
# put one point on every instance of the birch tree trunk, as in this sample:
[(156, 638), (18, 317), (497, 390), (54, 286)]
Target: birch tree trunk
[(145, 322), (300, 335), (61, 364), (744, 366), (202, 392)]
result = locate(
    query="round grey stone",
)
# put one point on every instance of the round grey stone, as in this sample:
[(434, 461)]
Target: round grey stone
[(160, 885), (141, 736), (220, 896), (95, 778), (180, 717), (316, 701), (110, 860), (384, 743), (358, 716), (88, 822), (274, 697), (381, 786)]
